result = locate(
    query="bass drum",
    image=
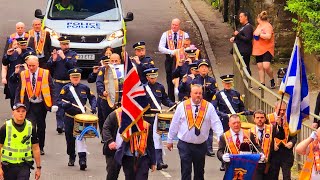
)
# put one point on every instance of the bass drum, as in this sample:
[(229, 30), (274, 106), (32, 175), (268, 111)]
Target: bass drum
[(113, 80)]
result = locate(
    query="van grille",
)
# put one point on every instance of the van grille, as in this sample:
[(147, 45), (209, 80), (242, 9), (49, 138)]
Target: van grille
[(85, 39)]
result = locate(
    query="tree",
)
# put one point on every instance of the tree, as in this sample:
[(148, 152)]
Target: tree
[(308, 23)]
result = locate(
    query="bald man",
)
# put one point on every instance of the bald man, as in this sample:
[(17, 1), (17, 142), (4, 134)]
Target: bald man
[(36, 91), (170, 42), (115, 59), (310, 147), (40, 41)]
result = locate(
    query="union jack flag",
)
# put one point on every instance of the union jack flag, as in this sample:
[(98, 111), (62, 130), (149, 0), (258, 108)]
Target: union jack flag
[(133, 103)]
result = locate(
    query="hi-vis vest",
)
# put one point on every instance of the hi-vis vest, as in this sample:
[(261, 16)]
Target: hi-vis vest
[(61, 8), (42, 85), (310, 162), (40, 45), (13, 151), (233, 149), (266, 141), (170, 39)]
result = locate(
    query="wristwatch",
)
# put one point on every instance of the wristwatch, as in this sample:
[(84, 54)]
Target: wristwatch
[(38, 167)]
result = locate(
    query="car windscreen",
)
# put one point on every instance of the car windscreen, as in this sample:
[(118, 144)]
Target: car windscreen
[(90, 10)]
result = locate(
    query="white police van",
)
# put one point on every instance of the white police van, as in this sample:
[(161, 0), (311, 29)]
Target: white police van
[(91, 26)]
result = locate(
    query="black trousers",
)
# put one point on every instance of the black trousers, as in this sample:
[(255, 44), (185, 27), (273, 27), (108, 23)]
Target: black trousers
[(169, 66), (259, 173), (106, 110), (16, 172), (37, 114), (113, 168), (71, 140), (138, 170), (192, 154), (285, 165), (246, 58)]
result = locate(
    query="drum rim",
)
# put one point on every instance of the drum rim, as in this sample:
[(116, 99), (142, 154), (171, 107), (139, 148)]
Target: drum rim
[(80, 120), (116, 83)]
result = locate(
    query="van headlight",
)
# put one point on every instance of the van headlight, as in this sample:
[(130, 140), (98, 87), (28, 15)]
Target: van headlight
[(114, 35), (52, 33)]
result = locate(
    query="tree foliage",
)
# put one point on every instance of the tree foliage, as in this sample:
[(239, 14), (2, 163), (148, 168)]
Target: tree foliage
[(308, 23)]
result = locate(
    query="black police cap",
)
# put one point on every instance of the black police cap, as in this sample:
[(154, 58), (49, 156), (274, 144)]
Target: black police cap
[(228, 78), (18, 105), (139, 45), (64, 39), (75, 72)]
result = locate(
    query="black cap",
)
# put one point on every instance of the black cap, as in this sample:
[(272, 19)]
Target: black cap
[(64, 39), (29, 52), (151, 72), (75, 72), (18, 105), (22, 40), (105, 58), (139, 45), (228, 78), (193, 66), (203, 62)]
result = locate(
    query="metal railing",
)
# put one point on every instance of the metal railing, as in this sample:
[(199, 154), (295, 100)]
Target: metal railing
[(263, 99)]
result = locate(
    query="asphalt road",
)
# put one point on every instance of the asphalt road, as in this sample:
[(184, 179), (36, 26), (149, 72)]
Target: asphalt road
[(151, 19)]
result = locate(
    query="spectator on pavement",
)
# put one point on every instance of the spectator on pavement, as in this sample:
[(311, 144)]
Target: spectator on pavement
[(263, 47)]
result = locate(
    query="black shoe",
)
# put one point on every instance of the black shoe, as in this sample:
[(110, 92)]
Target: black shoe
[(222, 168), (159, 167), (164, 166), (211, 154), (83, 165), (42, 152), (60, 130), (71, 162), (273, 85)]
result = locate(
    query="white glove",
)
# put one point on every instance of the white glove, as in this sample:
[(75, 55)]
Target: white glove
[(226, 157), (54, 109), (262, 157), (313, 135)]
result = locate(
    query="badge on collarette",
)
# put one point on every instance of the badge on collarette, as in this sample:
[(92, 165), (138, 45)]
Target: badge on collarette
[(83, 92), (235, 97), (158, 91)]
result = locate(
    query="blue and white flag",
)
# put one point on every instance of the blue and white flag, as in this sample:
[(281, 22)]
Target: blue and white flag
[(295, 84)]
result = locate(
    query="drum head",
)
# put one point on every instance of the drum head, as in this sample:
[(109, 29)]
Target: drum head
[(111, 85), (85, 117)]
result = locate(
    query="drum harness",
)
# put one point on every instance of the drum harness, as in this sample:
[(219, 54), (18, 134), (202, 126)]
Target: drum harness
[(74, 94), (226, 100)]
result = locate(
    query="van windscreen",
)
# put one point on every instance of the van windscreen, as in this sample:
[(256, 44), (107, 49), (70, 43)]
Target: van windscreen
[(90, 10)]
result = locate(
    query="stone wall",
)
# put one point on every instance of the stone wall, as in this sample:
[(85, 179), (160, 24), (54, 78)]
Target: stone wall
[(279, 18)]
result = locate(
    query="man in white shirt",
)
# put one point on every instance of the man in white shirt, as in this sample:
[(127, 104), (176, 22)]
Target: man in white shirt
[(310, 147), (191, 123), (170, 42)]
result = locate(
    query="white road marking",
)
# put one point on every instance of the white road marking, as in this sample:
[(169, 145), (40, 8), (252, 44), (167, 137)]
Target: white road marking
[(165, 174)]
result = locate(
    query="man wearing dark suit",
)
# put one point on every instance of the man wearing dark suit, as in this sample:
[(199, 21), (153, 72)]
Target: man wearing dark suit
[(110, 137), (36, 91), (241, 140), (136, 166), (40, 41)]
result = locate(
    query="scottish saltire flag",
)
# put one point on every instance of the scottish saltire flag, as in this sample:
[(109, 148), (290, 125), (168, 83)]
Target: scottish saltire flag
[(242, 166), (133, 103), (295, 84)]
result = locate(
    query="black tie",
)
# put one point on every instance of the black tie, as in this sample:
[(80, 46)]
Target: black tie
[(197, 131), (33, 80), (175, 40), (261, 135), (38, 37)]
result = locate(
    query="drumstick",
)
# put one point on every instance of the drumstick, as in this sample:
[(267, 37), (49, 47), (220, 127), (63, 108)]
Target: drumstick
[(173, 106), (156, 110), (63, 100)]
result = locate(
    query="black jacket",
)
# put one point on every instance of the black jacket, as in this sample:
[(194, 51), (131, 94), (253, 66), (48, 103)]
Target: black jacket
[(244, 39), (109, 133)]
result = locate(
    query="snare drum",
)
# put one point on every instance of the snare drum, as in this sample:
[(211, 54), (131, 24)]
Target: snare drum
[(81, 121), (113, 80), (246, 125), (163, 124)]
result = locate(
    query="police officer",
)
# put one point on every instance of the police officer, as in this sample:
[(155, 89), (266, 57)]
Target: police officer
[(18, 145), (68, 97), (60, 62), (142, 61), (186, 80), (227, 101), (14, 57), (64, 5), (162, 98), (209, 87)]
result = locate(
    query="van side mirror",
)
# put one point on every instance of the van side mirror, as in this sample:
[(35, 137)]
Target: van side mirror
[(129, 17), (38, 14)]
